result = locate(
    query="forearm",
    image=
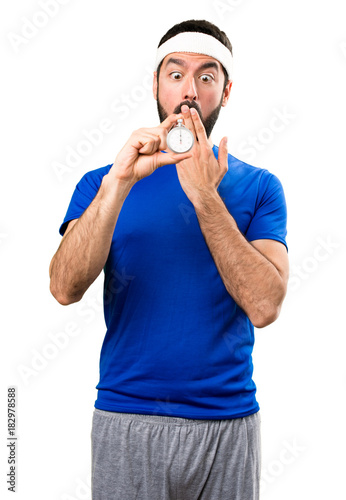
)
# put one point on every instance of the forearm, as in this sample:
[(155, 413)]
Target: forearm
[(83, 252), (250, 278)]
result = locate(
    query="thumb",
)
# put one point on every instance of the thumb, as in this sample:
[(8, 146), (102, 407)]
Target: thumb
[(222, 157), (162, 159)]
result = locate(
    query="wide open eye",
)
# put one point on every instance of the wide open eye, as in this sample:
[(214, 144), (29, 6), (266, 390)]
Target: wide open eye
[(206, 78), (176, 75)]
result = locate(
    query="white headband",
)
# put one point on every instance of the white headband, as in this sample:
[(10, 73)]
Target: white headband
[(199, 43)]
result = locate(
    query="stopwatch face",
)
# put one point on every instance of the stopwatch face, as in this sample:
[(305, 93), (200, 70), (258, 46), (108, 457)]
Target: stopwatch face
[(180, 139)]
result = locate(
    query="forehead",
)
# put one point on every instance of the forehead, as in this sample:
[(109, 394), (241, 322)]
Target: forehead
[(190, 59)]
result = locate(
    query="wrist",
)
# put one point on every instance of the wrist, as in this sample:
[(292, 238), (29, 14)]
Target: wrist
[(112, 188), (206, 200)]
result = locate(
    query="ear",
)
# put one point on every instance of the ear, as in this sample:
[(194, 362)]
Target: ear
[(227, 92), (155, 85)]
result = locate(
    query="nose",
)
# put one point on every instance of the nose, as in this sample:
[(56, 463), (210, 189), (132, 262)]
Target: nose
[(190, 91)]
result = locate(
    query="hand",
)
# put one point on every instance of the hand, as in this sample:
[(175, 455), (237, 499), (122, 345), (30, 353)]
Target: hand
[(201, 174), (141, 154)]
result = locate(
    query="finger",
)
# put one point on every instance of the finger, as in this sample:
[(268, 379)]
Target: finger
[(222, 158), (170, 121), (198, 126), (188, 122), (148, 141), (163, 129), (170, 159), (150, 144)]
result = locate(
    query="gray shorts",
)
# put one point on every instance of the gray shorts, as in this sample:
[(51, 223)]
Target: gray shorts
[(152, 457)]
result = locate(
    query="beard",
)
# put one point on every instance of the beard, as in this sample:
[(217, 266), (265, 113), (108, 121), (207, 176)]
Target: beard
[(208, 121)]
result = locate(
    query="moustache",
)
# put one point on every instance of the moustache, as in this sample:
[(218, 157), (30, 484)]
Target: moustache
[(190, 104)]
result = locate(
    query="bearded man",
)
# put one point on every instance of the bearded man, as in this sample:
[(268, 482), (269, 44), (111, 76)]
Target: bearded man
[(193, 249)]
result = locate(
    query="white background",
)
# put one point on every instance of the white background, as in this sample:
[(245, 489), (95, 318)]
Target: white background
[(75, 71)]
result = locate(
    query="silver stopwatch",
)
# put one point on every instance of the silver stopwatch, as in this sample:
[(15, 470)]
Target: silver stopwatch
[(180, 139)]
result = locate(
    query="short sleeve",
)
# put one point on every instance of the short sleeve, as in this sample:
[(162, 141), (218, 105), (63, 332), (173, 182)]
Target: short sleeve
[(84, 193), (270, 218)]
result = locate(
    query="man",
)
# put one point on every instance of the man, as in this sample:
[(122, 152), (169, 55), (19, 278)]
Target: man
[(194, 256)]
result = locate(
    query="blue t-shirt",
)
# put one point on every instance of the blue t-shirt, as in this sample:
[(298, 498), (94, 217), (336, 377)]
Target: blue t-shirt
[(176, 342)]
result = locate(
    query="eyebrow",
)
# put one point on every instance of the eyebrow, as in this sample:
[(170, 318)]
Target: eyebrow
[(180, 62)]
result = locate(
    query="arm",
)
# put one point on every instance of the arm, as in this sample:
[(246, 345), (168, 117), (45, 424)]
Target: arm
[(256, 274), (85, 246)]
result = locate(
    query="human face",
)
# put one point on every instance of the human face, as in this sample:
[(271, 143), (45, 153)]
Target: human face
[(193, 79)]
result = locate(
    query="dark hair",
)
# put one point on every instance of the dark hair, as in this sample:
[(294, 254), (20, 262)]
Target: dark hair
[(202, 26)]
